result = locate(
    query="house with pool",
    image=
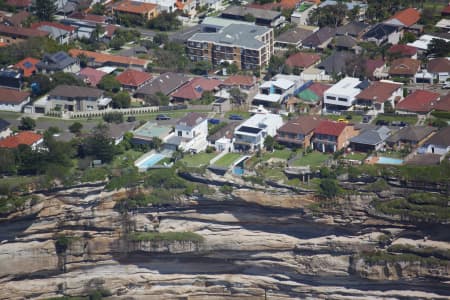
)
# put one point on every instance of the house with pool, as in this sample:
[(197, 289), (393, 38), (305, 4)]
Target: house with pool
[(190, 134)]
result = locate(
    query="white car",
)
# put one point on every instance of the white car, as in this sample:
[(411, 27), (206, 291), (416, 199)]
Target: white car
[(446, 86)]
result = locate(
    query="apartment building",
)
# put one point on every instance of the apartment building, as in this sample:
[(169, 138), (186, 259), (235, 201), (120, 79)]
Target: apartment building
[(248, 46)]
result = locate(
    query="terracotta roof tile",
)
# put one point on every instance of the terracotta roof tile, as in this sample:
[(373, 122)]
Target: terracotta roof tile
[(330, 128), (403, 50), (438, 65), (88, 17), (194, 89), (379, 91), (19, 3), (446, 10), (134, 7), (134, 78), (22, 138), (9, 96), (22, 32), (27, 65), (419, 101), (37, 25), (302, 60), (240, 80), (408, 17), (404, 66), (443, 103), (93, 76), (102, 58), (303, 125)]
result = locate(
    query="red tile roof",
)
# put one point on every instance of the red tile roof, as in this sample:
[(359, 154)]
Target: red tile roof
[(419, 101), (134, 7), (194, 89), (110, 30), (330, 128), (102, 58), (93, 76), (37, 25), (438, 65), (133, 78), (240, 80), (22, 138), (318, 88), (379, 91), (443, 104), (302, 60), (22, 32), (404, 66), (88, 17), (19, 3), (372, 65), (9, 96), (17, 18), (408, 17), (446, 10), (27, 65), (303, 124), (403, 50), (283, 4)]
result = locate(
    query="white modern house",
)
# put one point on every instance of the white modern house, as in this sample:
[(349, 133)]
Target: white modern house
[(424, 41), (277, 90), (342, 95), (190, 133), (250, 135)]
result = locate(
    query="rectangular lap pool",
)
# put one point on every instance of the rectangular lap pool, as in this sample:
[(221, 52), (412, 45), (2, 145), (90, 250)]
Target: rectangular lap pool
[(389, 161), (150, 161)]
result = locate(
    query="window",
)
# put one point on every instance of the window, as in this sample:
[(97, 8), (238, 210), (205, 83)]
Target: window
[(342, 99), (331, 98), (180, 133)]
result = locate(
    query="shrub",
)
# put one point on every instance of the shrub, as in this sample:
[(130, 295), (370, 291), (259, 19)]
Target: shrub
[(113, 117)]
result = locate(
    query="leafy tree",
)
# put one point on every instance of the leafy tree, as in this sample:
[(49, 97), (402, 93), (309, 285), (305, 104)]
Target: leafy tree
[(269, 143), (172, 57), (276, 65), (98, 9), (109, 83), (165, 22), (356, 67), (99, 145), (388, 108), (237, 96), (62, 78), (201, 67), (353, 14), (121, 100), (41, 82), (113, 117), (232, 68), (158, 99), (249, 18), (408, 37), (7, 161), (207, 98), (117, 43), (160, 38), (156, 143), (438, 48), (45, 9), (331, 15), (27, 123), (84, 60), (75, 128), (328, 188)]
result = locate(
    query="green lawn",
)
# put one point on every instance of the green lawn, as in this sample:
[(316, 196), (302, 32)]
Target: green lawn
[(282, 154), (198, 160), (9, 115), (272, 173), (226, 160), (411, 120), (126, 159), (356, 156), (313, 159), (354, 117)]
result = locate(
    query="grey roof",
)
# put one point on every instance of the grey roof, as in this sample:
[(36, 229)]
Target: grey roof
[(116, 131), (319, 37), (411, 134), (55, 62), (352, 28), (336, 62), (258, 13), (4, 124), (345, 41), (72, 91), (165, 83), (441, 138), (372, 136), (294, 36), (53, 31), (235, 34), (380, 31), (191, 119)]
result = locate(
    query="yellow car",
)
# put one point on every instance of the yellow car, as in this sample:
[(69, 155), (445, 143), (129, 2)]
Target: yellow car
[(343, 120)]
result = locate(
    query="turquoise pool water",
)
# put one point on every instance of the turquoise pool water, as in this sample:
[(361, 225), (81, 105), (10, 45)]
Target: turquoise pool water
[(150, 161), (389, 161)]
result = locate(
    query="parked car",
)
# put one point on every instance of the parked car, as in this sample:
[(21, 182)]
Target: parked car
[(382, 123), (399, 123), (341, 120), (214, 121), (162, 117), (236, 117), (446, 86), (131, 119), (366, 118)]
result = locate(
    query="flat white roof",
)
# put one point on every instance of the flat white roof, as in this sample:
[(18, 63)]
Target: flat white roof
[(107, 70), (444, 23), (257, 119), (346, 86), (269, 98), (423, 41)]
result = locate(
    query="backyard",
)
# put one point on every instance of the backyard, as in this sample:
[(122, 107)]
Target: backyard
[(226, 160), (197, 160), (410, 120), (313, 159)]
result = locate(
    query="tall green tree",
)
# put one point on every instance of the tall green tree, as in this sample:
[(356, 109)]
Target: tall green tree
[(45, 9), (27, 123), (121, 100), (99, 145)]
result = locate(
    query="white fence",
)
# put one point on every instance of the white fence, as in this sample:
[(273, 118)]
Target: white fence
[(100, 113)]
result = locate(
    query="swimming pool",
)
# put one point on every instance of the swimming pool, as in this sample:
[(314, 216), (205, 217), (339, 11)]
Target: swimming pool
[(149, 161), (382, 160)]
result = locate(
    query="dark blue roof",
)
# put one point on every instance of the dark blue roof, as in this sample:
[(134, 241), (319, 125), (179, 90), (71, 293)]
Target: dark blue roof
[(4, 124), (380, 31)]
